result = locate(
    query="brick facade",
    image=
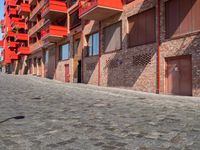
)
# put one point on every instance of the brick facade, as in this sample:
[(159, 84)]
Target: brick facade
[(129, 67)]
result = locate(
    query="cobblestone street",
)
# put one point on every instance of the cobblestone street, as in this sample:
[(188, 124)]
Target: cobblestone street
[(61, 116)]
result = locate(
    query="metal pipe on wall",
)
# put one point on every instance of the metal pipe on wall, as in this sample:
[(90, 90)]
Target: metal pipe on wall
[(158, 47)]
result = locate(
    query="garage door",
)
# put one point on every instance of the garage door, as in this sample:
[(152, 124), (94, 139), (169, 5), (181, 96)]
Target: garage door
[(179, 75)]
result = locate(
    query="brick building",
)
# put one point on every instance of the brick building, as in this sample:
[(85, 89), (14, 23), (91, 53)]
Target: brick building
[(145, 45)]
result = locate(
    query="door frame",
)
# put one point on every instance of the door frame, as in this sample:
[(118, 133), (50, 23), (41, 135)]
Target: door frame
[(165, 69), (67, 81)]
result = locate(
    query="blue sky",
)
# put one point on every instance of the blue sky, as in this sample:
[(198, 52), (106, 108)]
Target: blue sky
[(1, 13)]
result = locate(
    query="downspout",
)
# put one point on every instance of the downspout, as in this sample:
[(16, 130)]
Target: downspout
[(56, 46), (99, 56), (158, 47)]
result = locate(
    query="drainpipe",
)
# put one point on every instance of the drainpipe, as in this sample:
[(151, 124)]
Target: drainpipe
[(99, 56), (158, 47), (56, 46)]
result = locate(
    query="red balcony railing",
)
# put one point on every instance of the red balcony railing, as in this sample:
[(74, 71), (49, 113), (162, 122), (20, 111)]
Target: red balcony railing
[(10, 34), (13, 55), (24, 9), (54, 7), (23, 51), (12, 44), (21, 37), (18, 25), (99, 9), (11, 2), (1, 43), (53, 33), (12, 11)]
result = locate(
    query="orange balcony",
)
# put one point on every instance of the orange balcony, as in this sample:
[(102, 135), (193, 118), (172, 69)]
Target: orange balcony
[(24, 9), (54, 8), (11, 3), (53, 33), (10, 34), (23, 51), (18, 25), (13, 55), (1, 43), (15, 19), (12, 11), (99, 9), (21, 37), (12, 44)]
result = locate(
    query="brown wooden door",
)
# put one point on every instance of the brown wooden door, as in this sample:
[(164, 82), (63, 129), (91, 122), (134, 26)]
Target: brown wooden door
[(179, 76), (67, 73)]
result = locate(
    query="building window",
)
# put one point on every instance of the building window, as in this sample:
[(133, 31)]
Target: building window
[(113, 37), (64, 52), (76, 46), (182, 17), (142, 28), (93, 44)]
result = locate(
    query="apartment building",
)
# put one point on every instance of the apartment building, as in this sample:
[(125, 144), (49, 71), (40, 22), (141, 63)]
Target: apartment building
[(144, 45), (15, 39)]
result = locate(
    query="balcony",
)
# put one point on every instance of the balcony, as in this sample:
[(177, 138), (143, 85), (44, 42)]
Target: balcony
[(12, 12), (36, 28), (21, 37), (53, 33), (99, 9), (23, 51), (13, 55), (54, 9), (1, 43), (12, 44), (36, 10), (11, 3), (24, 9), (10, 34), (18, 25), (36, 46)]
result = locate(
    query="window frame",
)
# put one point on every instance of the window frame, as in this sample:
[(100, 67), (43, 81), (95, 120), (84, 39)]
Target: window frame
[(111, 51), (61, 54), (87, 38), (179, 35), (145, 43)]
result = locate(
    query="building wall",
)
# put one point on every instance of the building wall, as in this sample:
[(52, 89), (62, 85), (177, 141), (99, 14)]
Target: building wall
[(36, 68), (119, 68)]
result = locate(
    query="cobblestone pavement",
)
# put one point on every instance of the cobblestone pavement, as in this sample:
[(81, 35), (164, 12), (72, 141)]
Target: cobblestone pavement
[(61, 116)]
